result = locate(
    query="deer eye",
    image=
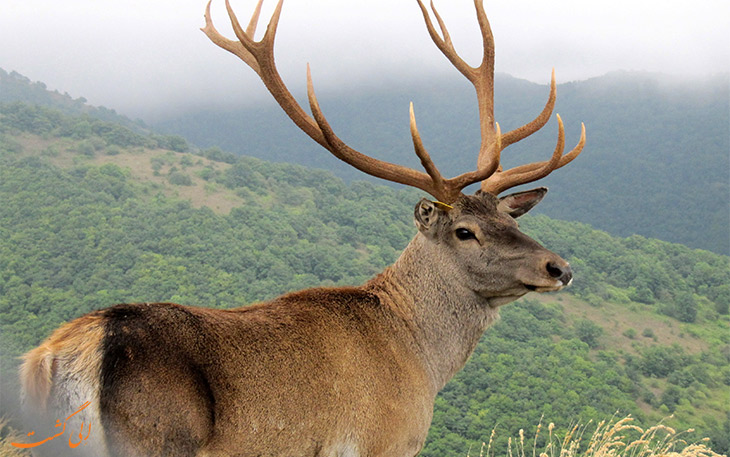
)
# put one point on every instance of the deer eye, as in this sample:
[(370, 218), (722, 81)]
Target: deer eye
[(465, 234)]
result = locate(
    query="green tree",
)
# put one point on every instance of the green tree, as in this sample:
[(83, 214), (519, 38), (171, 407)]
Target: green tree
[(660, 361), (588, 332), (685, 307), (180, 179)]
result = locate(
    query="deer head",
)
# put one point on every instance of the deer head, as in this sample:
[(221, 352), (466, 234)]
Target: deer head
[(479, 240)]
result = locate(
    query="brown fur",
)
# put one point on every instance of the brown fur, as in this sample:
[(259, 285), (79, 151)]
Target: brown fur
[(306, 390), (76, 343)]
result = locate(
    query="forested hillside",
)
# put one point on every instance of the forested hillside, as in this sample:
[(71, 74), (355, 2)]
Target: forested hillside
[(15, 87), (93, 214), (657, 161)]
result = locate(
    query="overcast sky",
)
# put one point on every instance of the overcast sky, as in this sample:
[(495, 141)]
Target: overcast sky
[(143, 56)]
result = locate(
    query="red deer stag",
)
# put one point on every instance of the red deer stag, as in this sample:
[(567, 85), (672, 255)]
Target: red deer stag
[(346, 372)]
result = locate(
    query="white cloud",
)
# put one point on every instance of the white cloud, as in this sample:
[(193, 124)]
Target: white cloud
[(130, 54)]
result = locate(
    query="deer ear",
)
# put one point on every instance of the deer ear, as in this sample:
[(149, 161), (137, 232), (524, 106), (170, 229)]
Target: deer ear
[(426, 214), (519, 203)]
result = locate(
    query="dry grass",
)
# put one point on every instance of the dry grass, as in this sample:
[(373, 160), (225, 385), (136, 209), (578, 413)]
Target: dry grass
[(139, 163), (610, 439), (616, 318), (9, 435)]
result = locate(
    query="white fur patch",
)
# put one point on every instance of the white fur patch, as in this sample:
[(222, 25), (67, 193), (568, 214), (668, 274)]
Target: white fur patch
[(70, 392), (344, 449)]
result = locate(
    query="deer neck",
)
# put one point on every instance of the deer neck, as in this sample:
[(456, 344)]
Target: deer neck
[(444, 318)]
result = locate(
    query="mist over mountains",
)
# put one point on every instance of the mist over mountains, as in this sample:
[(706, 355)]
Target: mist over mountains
[(657, 160)]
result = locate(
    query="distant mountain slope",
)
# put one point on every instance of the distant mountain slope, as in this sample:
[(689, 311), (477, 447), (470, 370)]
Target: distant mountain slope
[(15, 87), (657, 162)]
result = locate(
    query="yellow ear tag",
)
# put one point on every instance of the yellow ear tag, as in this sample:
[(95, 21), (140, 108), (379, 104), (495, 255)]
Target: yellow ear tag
[(443, 205)]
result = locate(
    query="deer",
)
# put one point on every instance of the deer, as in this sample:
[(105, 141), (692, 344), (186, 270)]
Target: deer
[(330, 371)]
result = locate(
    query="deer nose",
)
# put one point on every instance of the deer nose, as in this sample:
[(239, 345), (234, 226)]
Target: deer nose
[(561, 272)]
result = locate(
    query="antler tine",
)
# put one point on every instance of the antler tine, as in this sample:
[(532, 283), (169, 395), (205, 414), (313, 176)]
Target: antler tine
[(487, 66), (247, 37), (251, 29), (378, 168), (451, 188), (482, 173), (481, 77), (523, 174), (259, 55), (235, 47), (271, 29), (423, 154), (569, 157), (444, 44), (513, 136), (243, 36)]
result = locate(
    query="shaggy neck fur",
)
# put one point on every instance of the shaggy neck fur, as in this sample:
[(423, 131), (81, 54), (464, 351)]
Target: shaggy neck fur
[(446, 318)]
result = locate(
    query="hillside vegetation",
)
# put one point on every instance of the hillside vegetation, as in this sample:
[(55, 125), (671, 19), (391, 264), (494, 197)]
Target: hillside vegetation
[(94, 213)]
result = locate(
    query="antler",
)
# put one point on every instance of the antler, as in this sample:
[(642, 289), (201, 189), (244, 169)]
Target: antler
[(493, 141), (259, 55)]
